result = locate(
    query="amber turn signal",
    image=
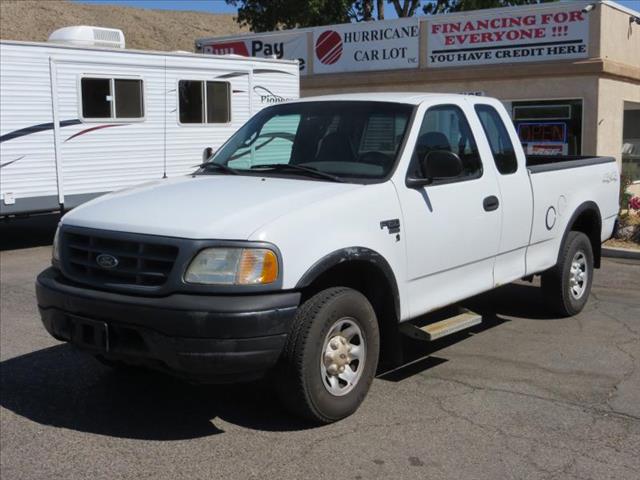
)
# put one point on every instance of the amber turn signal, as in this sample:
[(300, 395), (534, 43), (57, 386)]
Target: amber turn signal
[(257, 266)]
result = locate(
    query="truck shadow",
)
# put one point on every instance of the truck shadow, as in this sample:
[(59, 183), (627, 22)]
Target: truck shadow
[(418, 356), (518, 300), (65, 388)]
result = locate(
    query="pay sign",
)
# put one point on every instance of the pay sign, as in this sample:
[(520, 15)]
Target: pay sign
[(284, 46)]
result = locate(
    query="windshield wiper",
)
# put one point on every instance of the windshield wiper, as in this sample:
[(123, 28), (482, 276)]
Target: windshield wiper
[(217, 166), (299, 168)]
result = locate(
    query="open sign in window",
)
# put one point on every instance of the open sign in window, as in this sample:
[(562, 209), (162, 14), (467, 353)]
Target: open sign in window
[(543, 132), (543, 138)]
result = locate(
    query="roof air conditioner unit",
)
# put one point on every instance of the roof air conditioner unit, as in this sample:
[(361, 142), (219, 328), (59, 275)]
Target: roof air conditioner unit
[(87, 36)]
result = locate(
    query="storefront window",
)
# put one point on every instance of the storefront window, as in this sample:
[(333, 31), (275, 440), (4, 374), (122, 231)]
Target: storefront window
[(631, 141), (552, 127)]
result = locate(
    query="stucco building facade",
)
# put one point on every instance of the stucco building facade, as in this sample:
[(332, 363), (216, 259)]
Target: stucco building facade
[(568, 72)]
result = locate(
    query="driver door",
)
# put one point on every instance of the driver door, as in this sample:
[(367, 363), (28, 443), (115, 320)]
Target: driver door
[(452, 237)]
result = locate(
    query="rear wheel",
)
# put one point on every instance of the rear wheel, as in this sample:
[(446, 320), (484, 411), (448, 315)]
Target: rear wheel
[(331, 356), (568, 284)]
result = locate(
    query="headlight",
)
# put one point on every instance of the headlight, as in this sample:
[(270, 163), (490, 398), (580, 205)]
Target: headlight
[(55, 253), (233, 266)]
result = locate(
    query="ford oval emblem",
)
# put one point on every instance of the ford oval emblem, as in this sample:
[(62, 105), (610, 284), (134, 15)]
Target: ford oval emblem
[(107, 261)]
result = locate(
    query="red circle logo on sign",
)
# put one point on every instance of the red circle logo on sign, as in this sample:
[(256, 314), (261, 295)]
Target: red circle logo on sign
[(329, 47)]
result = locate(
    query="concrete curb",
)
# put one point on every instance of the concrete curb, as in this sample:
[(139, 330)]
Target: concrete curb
[(613, 252)]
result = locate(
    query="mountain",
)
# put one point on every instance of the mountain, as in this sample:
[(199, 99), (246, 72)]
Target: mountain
[(30, 20)]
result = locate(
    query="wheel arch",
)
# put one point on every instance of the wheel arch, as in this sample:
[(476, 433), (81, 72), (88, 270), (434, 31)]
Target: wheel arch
[(353, 256), (367, 271), (588, 220)]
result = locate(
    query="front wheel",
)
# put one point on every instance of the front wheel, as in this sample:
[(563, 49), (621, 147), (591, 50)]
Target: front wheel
[(330, 357), (568, 284)]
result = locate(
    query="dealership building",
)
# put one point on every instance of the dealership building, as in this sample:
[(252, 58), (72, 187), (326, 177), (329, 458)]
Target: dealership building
[(568, 72)]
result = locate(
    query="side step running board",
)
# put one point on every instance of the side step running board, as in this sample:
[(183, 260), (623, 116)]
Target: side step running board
[(440, 329)]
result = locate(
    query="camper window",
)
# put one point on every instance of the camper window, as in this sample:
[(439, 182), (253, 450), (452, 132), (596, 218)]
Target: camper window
[(96, 98), (112, 98), (204, 102), (128, 98)]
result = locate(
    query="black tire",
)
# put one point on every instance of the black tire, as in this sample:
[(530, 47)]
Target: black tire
[(299, 380), (556, 282)]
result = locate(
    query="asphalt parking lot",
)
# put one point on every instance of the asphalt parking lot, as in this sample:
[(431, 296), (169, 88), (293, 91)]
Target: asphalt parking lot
[(525, 395)]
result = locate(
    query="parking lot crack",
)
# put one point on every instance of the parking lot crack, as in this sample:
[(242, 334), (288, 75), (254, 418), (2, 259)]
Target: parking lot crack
[(536, 441), (583, 407)]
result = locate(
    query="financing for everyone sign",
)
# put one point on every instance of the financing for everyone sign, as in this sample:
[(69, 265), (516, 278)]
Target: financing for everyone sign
[(365, 46), (523, 36), (290, 46)]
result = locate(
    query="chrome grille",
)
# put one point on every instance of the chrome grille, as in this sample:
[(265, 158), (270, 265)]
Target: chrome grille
[(141, 263)]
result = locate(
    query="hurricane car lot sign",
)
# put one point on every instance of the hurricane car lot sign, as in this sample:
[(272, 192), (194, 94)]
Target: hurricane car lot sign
[(527, 36), (354, 47), (290, 46)]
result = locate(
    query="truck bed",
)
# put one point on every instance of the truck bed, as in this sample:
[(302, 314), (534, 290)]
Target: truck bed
[(546, 163)]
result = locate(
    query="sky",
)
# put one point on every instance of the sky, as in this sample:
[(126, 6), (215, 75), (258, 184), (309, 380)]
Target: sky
[(220, 6)]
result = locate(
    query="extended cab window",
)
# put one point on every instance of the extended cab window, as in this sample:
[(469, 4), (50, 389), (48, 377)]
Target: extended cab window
[(501, 147), (112, 98), (204, 102), (445, 128)]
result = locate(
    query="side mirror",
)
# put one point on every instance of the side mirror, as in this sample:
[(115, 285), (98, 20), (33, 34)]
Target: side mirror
[(441, 164), (206, 154), (437, 165)]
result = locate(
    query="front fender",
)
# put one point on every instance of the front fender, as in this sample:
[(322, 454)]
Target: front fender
[(361, 254), (350, 225)]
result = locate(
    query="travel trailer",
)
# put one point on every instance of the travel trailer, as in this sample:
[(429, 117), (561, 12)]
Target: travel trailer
[(80, 115)]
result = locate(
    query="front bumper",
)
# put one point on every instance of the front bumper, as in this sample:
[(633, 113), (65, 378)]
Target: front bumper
[(217, 338)]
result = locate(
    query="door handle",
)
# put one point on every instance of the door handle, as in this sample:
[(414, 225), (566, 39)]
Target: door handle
[(491, 203)]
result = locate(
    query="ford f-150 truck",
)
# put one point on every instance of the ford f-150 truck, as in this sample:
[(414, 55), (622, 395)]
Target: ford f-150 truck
[(317, 235)]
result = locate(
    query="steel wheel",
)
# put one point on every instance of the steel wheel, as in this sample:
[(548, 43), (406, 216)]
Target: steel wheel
[(343, 357), (330, 357), (578, 275)]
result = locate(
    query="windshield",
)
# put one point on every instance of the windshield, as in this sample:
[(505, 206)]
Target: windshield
[(344, 139)]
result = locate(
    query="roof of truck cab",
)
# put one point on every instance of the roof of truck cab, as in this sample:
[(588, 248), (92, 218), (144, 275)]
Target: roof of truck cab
[(412, 98)]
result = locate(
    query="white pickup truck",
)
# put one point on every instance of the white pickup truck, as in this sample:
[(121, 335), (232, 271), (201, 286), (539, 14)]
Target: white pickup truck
[(314, 237)]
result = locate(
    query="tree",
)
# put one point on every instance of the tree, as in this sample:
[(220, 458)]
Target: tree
[(266, 15), (405, 9), (447, 6), (380, 9), (363, 10)]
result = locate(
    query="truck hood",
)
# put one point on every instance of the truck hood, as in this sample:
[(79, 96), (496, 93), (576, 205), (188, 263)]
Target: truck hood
[(202, 207)]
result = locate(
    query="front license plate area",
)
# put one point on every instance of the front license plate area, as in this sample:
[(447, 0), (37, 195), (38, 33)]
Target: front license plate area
[(90, 334)]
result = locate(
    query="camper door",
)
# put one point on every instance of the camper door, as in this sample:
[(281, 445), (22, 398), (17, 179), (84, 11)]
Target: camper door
[(109, 113)]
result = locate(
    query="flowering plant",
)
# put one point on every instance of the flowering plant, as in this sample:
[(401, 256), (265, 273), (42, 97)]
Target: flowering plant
[(634, 203)]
